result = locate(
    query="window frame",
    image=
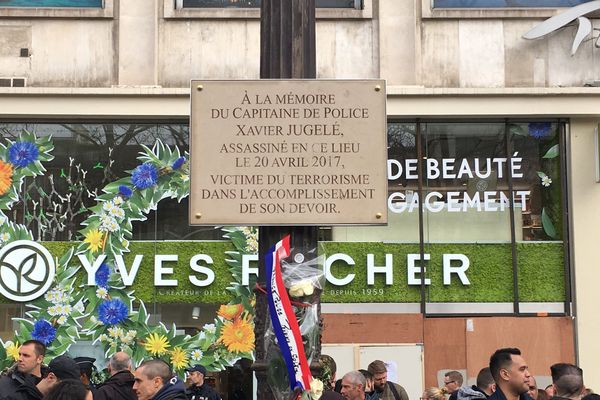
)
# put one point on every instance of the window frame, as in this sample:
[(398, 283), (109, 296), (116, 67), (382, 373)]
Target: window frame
[(429, 12), (173, 9), (106, 11)]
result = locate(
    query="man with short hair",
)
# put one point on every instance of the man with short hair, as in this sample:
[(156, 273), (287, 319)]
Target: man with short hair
[(120, 384), (199, 389), (533, 389), (453, 380), (484, 387), (511, 373), (31, 356), (353, 386), (385, 390), (60, 368), (567, 380), (153, 380)]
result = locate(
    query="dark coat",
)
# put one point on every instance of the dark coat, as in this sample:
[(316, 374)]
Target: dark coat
[(331, 395), (204, 392), (498, 395), (172, 390), (18, 386), (117, 387)]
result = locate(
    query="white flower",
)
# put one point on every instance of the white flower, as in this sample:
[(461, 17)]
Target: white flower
[(118, 200), (59, 309), (93, 319), (66, 309), (316, 389), (109, 224), (108, 206), (210, 328), (52, 311), (115, 332), (4, 237), (126, 339), (131, 333), (303, 288), (197, 355), (79, 307), (102, 293), (118, 213), (546, 181), (61, 320), (185, 178), (103, 337), (49, 296)]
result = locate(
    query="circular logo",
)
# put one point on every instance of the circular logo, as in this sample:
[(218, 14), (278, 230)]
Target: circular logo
[(26, 270)]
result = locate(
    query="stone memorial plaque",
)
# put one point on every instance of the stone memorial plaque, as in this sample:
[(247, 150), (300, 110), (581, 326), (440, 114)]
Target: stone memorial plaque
[(288, 152)]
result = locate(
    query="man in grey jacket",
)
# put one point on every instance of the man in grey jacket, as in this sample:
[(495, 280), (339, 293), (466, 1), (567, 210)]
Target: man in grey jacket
[(483, 389)]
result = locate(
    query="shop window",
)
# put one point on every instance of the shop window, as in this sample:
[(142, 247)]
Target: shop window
[(52, 3), (87, 157), (505, 3), (256, 3)]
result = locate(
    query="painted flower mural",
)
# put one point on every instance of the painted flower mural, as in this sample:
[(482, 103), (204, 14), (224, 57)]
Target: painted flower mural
[(104, 312)]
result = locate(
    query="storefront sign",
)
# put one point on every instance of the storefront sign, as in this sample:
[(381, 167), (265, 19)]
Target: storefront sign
[(26, 270), (288, 152)]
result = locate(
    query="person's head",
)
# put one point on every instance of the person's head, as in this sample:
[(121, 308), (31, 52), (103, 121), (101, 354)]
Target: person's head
[(485, 381), (567, 380), (31, 356), (329, 370), (150, 377), (196, 374), (353, 386), (68, 389), (59, 369), (533, 389), (550, 390), (542, 395), (510, 371), (453, 380), (369, 380), (86, 366), (379, 371), (120, 361), (434, 393)]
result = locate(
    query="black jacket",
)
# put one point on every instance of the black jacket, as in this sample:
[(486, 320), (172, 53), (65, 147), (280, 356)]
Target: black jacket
[(204, 392), (18, 386), (498, 395), (117, 387), (172, 390)]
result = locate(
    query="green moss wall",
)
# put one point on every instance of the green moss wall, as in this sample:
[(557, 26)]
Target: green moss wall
[(540, 272)]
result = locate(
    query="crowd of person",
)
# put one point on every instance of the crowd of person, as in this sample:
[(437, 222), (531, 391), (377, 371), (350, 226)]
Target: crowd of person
[(65, 378), (506, 378)]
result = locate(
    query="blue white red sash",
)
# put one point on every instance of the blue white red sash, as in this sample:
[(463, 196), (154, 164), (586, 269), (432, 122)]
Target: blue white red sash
[(283, 318)]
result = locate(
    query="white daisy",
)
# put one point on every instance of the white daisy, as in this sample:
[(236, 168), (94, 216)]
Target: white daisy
[(108, 206), (4, 237), (61, 320), (210, 328), (546, 181), (197, 355), (118, 200), (102, 293)]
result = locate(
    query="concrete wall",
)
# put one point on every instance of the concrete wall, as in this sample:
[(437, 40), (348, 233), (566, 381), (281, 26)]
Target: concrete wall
[(586, 219)]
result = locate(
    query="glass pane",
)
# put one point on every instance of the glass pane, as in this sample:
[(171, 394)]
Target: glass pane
[(256, 3), (505, 3), (466, 213), (402, 226), (87, 157), (51, 3)]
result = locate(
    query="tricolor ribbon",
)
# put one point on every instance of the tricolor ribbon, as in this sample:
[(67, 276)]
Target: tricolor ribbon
[(283, 318)]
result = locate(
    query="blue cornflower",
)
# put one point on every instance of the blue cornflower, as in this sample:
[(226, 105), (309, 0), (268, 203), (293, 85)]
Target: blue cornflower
[(539, 129), (102, 275), (144, 176), (178, 163), (111, 312), (22, 154), (125, 191), (43, 331)]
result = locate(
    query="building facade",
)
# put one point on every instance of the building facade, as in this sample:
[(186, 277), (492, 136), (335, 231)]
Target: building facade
[(506, 127)]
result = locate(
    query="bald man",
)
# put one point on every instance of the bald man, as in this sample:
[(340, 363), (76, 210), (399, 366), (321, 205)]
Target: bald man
[(120, 384)]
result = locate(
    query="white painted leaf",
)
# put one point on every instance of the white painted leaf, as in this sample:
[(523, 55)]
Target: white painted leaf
[(584, 29)]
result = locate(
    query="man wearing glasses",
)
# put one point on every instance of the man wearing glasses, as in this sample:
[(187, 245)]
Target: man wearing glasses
[(453, 380)]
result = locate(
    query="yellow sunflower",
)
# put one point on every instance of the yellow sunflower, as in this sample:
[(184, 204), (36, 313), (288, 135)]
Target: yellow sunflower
[(230, 311), (94, 238), (6, 174), (156, 344), (12, 350), (179, 358), (238, 336)]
